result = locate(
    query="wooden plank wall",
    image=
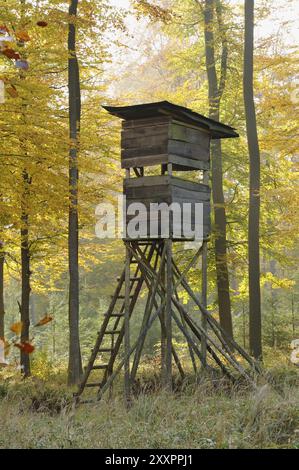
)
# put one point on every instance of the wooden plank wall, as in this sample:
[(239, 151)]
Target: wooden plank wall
[(155, 140), (168, 189)]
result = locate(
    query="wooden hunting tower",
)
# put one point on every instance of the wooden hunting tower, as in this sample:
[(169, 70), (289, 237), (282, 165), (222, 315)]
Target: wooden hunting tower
[(172, 139), (176, 139)]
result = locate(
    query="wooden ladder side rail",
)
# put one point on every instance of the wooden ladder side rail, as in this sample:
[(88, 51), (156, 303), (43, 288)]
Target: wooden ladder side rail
[(132, 349), (120, 337), (101, 333), (100, 336), (122, 308)]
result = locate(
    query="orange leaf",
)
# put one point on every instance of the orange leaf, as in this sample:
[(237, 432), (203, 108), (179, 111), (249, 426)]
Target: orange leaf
[(22, 36), (11, 54), (26, 347), (12, 91), (46, 319), (16, 328)]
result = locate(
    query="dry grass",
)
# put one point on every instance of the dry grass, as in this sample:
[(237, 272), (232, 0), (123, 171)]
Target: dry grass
[(39, 414)]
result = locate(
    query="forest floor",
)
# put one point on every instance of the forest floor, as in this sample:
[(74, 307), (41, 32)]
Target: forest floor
[(38, 413)]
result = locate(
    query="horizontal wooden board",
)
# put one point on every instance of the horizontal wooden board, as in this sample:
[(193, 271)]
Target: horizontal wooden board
[(143, 152), (148, 141), (191, 185), (187, 164), (185, 149), (155, 229), (188, 134), (168, 189), (147, 181), (160, 192), (162, 146), (184, 197), (145, 131), (179, 163), (150, 160), (165, 180)]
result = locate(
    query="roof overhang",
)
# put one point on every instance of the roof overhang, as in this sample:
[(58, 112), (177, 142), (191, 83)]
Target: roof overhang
[(164, 108)]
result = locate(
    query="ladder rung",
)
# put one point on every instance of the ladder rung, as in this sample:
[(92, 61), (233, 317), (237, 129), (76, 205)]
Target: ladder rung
[(93, 385), (114, 315), (115, 332), (101, 366), (105, 350), (123, 296)]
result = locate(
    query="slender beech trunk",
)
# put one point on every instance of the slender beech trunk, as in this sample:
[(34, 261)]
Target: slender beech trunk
[(25, 273), (216, 89), (24, 233), (2, 312), (75, 362), (255, 321)]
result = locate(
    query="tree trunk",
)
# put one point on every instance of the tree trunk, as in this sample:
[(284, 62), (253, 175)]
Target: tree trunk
[(215, 93), (75, 363), (25, 275), (255, 323), (2, 335)]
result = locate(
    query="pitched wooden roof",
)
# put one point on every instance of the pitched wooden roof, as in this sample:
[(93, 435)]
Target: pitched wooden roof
[(162, 108)]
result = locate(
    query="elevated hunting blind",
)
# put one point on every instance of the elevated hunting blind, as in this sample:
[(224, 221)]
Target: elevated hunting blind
[(171, 139), (177, 139)]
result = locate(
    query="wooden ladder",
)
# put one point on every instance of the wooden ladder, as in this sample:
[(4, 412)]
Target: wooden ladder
[(113, 328)]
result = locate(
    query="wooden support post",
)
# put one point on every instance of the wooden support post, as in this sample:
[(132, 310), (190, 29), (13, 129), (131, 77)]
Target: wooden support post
[(168, 315), (184, 324), (127, 330), (204, 290), (163, 330)]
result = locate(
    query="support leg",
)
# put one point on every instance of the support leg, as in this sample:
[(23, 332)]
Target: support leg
[(163, 332), (127, 330), (204, 289), (168, 316)]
